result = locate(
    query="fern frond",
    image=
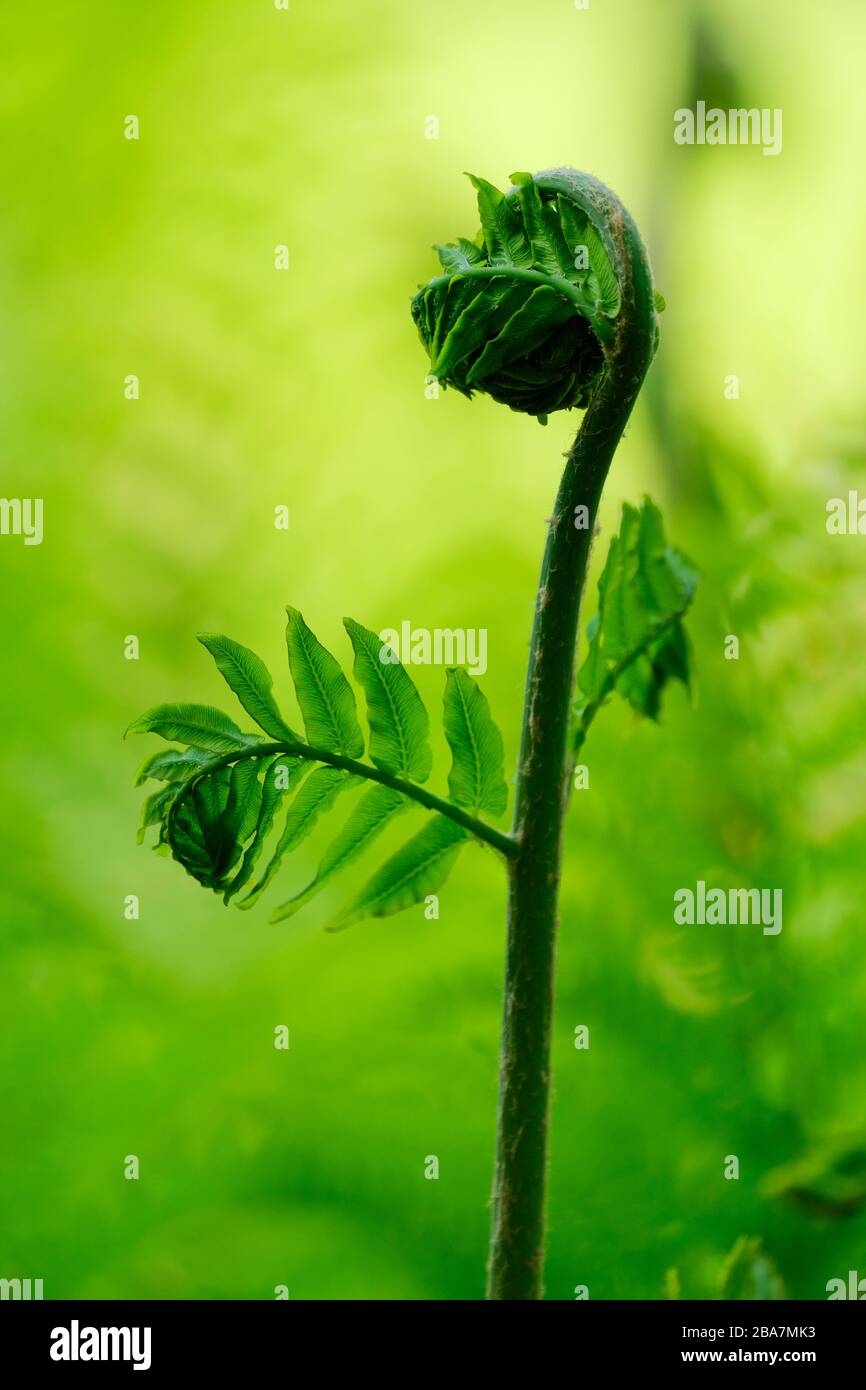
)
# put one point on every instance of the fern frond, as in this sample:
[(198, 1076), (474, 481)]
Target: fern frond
[(527, 317), (227, 794)]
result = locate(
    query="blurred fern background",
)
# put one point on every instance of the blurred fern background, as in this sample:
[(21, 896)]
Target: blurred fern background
[(306, 388)]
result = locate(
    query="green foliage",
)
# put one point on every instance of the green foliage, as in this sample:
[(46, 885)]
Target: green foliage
[(399, 727), (524, 316), (250, 680), (279, 777), (171, 765), (749, 1273), (324, 694), (637, 640), (376, 808), (108, 1031), (316, 796), (476, 779), (419, 868), (826, 1182), (227, 795), (746, 1273), (198, 726)]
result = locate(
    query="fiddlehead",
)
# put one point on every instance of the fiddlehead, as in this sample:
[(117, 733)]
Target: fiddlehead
[(553, 307), (226, 795), (550, 308), (526, 314)]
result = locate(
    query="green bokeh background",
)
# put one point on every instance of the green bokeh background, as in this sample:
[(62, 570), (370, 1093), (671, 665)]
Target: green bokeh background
[(155, 1037)]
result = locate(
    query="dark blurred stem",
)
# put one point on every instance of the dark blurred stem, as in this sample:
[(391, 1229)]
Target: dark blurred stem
[(517, 1244)]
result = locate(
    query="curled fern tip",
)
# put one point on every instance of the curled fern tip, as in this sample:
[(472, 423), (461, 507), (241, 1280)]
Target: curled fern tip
[(524, 313)]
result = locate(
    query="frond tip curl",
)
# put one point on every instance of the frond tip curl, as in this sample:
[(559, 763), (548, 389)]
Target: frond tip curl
[(225, 795), (523, 313)]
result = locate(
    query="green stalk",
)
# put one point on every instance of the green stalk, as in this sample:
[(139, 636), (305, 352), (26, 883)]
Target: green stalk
[(517, 1242)]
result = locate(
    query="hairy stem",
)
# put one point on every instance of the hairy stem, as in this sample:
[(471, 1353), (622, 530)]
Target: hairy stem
[(515, 1266), (479, 828)]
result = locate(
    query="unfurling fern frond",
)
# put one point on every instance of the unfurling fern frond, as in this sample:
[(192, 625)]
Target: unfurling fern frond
[(526, 314), (227, 795)]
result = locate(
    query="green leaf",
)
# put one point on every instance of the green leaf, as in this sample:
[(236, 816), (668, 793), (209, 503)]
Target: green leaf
[(324, 694), (200, 726), (606, 281), (636, 640), (544, 253), (376, 808), (172, 765), (209, 798), (399, 726), (557, 242), (458, 296), (484, 316), (476, 780), (463, 256), (527, 329), (249, 678), (425, 310), (317, 795), (624, 621), (188, 842), (749, 1273), (593, 673), (155, 808), (643, 681), (410, 875), (193, 830), (239, 815), (573, 223), (670, 580), (280, 777), (504, 237)]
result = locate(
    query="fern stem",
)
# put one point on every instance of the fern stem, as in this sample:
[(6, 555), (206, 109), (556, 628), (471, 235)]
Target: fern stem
[(515, 1267), (488, 833)]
